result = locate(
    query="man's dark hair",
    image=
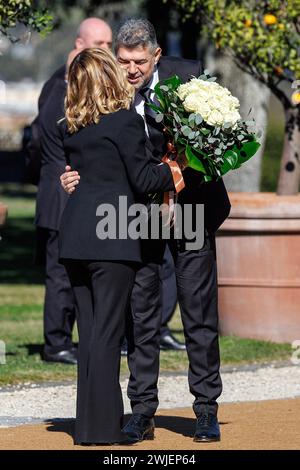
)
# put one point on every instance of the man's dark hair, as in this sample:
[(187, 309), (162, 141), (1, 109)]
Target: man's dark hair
[(136, 32)]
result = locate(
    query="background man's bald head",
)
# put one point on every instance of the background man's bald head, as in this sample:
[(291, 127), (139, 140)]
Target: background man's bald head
[(93, 32)]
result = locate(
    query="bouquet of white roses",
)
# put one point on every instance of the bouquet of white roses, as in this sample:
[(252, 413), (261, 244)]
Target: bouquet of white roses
[(202, 120)]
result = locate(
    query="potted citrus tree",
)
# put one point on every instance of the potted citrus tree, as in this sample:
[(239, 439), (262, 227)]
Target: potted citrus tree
[(258, 246)]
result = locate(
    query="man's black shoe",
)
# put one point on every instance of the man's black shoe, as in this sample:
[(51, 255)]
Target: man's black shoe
[(207, 428), (67, 356), (139, 428), (169, 343)]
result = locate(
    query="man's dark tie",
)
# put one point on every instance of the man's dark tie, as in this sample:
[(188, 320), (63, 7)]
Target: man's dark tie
[(155, 129)]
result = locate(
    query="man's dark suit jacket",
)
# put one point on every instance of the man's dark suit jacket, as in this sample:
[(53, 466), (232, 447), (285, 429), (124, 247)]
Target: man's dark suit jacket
[(33, 147), (51, 198), (213, 194), (111, 159)]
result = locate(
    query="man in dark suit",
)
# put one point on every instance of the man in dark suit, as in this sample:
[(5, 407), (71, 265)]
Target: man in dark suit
[(59, 309), (196, 271)]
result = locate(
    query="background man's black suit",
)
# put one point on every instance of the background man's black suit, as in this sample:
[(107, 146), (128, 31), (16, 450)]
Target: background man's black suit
[(59, 309)]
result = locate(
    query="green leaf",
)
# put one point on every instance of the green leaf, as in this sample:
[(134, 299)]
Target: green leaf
[(193, 161), (160, 96), (246, 152), (207, 178), (230, 160), (155, 108), (205, 131), (173, 82)]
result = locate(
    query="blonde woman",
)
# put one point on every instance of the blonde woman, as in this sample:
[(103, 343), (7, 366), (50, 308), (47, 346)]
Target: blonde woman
[(105, 141)]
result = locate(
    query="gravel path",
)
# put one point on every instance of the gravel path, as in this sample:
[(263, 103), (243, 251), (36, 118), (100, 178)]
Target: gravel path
[(36, 403)]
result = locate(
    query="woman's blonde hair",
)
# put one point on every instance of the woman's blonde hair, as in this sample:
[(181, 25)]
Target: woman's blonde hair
[(96, 85)]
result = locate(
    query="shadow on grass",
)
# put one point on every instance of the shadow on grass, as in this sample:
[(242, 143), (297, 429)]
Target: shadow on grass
[(33, 349)]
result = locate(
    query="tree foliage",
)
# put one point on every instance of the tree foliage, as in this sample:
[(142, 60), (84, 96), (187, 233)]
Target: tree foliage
[(25, 12), (263, 37)]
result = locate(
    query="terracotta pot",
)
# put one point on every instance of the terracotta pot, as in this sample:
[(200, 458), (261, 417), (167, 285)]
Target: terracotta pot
[(3, 213), (258, 251)]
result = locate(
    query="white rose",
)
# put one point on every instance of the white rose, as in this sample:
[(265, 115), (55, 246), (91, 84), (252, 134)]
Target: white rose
[(214, 102), (215, 118), (191, 103)]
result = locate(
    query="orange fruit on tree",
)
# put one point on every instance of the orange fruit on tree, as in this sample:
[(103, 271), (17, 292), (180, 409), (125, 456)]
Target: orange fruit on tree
[(296, 97), (278, 70), (270, 19)]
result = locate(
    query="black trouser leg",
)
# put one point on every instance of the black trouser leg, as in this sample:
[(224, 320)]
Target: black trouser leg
[(168, 291), (196, 273), (102, 291), (59, 308), (143, 333)]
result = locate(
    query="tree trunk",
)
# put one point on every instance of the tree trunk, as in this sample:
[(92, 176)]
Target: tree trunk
[(289, 176)]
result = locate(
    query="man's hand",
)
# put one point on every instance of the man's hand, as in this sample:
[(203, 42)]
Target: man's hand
[(69, 180)]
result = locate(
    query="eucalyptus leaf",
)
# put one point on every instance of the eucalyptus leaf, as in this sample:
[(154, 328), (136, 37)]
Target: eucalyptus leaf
[(176, 117), (186, 130), (227, 125), (198, 119), (164, 87), (159, 117)]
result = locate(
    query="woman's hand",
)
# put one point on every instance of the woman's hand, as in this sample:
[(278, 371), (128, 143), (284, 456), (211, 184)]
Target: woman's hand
[(69, 180)]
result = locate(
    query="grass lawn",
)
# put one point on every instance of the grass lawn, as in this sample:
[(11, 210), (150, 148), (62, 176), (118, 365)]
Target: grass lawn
[(21, 307)]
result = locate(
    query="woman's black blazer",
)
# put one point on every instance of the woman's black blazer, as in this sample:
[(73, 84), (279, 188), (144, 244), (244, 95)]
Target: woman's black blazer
[(111, 160)]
